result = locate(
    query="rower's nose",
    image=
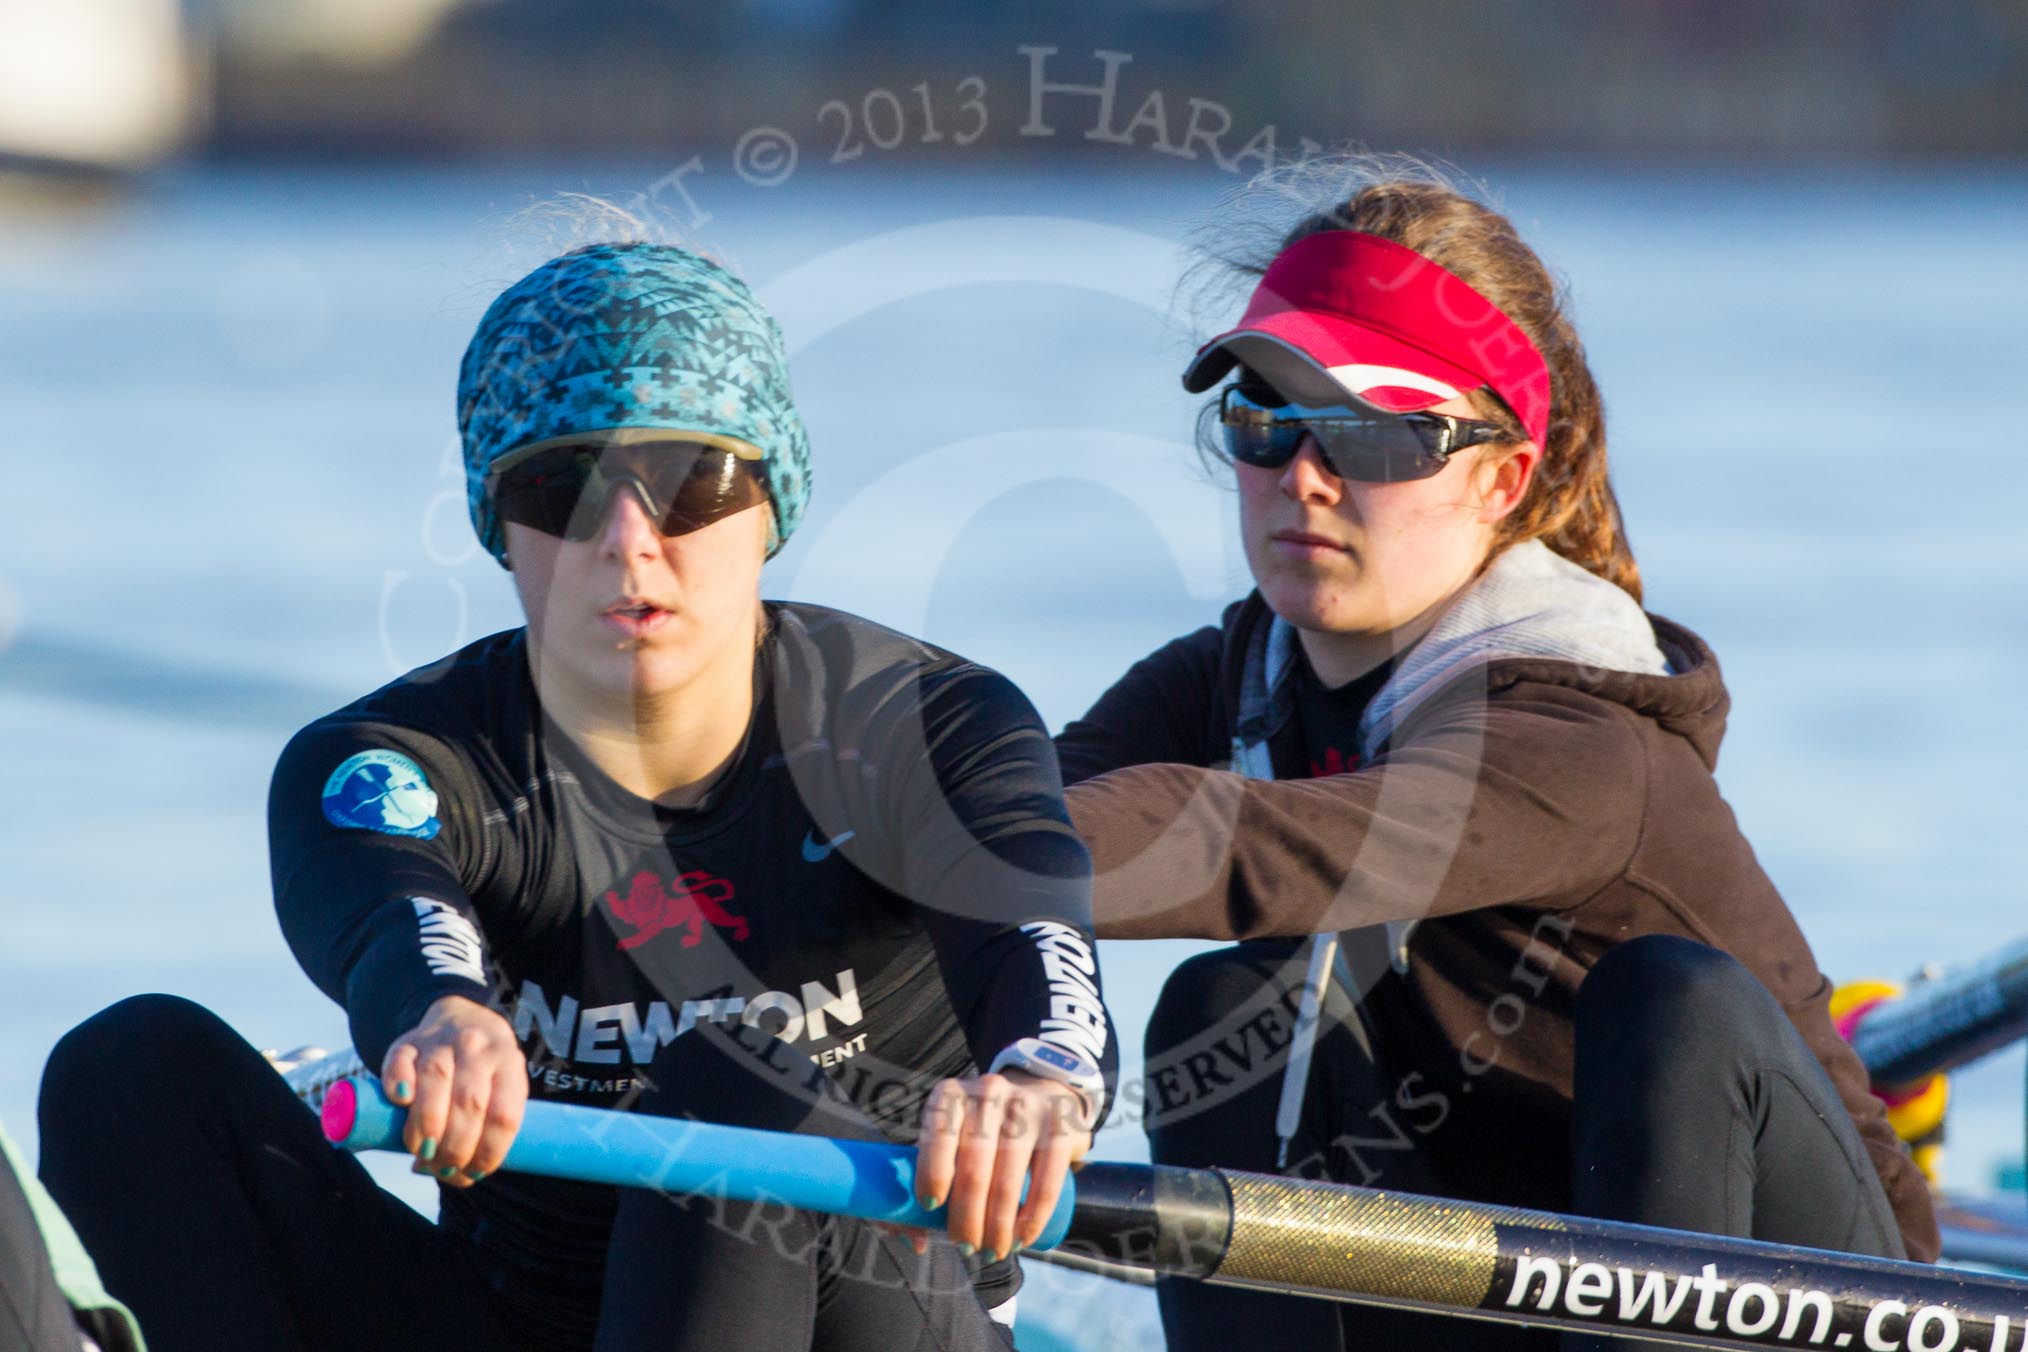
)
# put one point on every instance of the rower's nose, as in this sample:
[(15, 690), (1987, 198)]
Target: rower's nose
[(626, 520), (1307, 478)]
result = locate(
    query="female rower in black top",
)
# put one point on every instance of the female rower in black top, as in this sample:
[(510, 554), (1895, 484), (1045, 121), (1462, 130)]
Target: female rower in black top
[(668, 848)]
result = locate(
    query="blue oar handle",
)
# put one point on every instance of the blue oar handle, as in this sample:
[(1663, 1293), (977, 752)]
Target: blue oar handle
[(872, 1180)]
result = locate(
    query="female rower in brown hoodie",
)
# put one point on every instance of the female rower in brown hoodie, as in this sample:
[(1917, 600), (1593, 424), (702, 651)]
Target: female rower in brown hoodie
[(1441, 763)]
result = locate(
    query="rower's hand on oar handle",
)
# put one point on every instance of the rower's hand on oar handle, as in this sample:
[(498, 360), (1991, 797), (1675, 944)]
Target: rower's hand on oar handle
[(462, 1077), (982, 1139)]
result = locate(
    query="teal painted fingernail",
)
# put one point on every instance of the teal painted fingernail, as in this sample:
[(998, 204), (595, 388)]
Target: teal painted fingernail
[(401, 1089), (447, 1172), (429, 1148), (475, 1174), (967, 1250)]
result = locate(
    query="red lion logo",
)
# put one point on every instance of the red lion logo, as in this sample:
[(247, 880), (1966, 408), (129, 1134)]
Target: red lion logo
[(1336, 762), (696, 899)]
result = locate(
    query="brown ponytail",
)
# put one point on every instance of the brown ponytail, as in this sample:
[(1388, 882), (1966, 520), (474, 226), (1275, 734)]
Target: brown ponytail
[(1569, 504)]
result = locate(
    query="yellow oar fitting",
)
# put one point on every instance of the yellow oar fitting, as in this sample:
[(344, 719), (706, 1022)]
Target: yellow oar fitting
[(1915, 1111)]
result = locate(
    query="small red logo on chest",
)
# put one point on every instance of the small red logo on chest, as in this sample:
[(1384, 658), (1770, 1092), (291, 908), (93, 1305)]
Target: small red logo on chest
[(690, 902), (1336, 762)]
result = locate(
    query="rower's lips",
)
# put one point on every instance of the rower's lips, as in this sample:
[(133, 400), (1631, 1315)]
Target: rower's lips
[(1303, 542), (636, 621)]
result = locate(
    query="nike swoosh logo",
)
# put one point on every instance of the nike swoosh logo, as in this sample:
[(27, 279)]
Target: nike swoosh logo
[(815, 853)]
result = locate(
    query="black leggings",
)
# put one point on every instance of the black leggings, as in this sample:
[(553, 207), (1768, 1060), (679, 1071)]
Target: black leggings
[(218, 1213), (1697, 1106)]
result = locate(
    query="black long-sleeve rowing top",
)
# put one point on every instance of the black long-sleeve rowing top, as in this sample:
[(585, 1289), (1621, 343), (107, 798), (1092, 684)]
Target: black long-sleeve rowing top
[(885, 880)]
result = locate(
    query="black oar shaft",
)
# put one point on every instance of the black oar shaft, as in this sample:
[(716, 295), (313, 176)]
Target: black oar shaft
[(1532, 1267), (1947, 1021)]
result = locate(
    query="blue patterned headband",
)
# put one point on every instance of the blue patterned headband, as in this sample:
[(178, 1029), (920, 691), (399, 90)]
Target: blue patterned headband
[(629, 335)]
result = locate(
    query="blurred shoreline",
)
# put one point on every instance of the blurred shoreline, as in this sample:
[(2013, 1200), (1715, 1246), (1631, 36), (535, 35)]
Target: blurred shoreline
[(1784, 81)]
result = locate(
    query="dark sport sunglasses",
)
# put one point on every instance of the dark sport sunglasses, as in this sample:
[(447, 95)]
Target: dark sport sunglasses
[(1364, 444), (562, 487)]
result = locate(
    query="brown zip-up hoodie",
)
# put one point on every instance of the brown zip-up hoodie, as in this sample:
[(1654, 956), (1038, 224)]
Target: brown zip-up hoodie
[(1527, 813)]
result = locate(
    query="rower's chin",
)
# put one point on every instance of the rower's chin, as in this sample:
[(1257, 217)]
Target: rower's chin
[(621, 665), (1324, 596), (656, 668)]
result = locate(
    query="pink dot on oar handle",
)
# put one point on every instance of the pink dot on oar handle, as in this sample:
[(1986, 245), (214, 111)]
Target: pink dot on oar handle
[(341, 1110)]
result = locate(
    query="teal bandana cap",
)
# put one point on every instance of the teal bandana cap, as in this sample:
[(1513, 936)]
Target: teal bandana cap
[(629, 336)]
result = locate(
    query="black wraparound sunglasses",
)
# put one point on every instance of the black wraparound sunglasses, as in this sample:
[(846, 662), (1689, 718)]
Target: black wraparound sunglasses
[(1357, 442), (561, 488)]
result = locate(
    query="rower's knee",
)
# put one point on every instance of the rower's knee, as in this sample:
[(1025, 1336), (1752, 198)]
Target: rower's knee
[(1213, 988), (1661, 986), (125, 1053)]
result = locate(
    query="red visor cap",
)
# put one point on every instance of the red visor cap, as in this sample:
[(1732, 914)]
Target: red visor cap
[(1391, 327)]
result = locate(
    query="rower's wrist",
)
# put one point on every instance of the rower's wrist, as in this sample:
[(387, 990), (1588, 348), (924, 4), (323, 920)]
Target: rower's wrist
[(455, 1005), (1045, 1062)]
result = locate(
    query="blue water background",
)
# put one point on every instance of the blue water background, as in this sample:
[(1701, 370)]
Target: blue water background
[(233, 501)]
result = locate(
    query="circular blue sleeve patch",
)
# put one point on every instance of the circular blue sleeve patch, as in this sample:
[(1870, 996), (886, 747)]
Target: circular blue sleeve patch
[(382, 791)]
